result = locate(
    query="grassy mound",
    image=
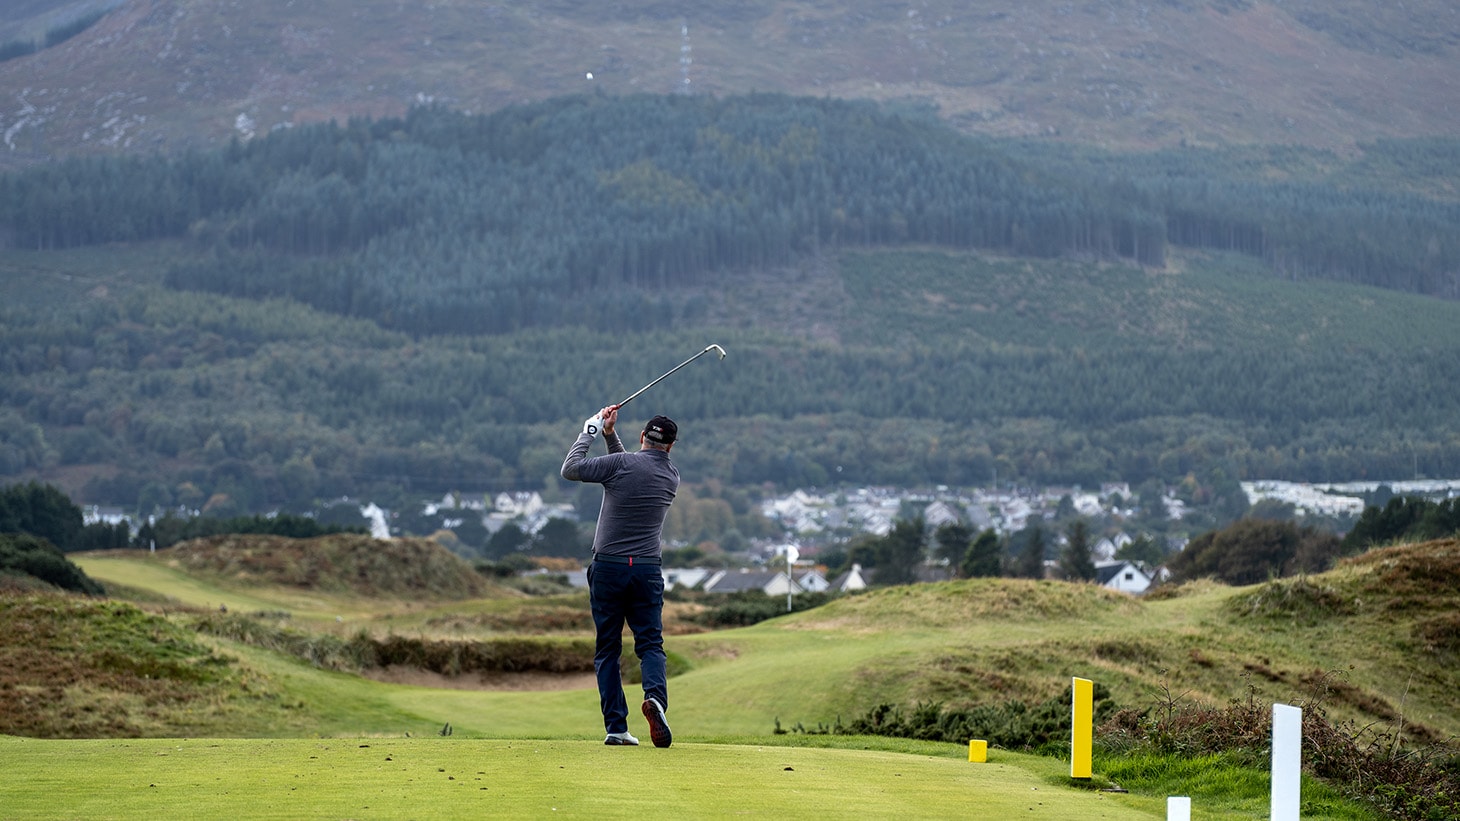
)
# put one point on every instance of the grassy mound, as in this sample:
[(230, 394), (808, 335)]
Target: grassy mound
[(73, 667), (953, 604), (1412, 577), (409, 568)]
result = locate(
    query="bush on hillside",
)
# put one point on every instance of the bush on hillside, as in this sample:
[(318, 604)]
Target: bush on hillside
[(1403, 518), (41, 510), (752, 606), (1012, 725), (1255, 550), (1403, 780), (32, 556), (170, 529)]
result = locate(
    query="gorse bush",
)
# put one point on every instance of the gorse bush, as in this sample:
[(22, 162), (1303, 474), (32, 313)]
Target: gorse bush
[(1040, 727)]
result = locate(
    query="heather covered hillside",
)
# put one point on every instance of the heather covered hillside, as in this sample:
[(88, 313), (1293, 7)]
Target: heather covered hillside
[(171, 74)]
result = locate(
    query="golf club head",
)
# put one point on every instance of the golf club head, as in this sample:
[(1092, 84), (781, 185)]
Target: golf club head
[(717, 349)]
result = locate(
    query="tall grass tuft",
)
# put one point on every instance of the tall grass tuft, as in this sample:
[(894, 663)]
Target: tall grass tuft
[(1375, 766)]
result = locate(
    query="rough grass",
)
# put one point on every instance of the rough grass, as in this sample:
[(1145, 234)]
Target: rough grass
[(957, 604), (340, 563), (74, 667)]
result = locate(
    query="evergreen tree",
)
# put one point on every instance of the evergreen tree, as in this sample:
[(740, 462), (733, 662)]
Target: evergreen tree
[(901, 552), (1142, 550), (41, 510), (1076, 562), (1031, 559), (562, 538), (952, 541), (508, 541), (984, 557)]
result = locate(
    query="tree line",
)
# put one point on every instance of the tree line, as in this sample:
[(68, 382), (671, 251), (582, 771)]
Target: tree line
[(239, 419), (443, 222)]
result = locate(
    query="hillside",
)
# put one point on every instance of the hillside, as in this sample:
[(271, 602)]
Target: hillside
[(404, 307), (977, 364), (1372, 641), (170, 74)]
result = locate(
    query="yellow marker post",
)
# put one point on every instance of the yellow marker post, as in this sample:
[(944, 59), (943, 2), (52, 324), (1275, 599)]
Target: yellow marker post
[(978, 751), (1082, 736)]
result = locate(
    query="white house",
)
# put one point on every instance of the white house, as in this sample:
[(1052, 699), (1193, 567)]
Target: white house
[(518, 504), (938, 514), (769, 582), (1125, 577), (684, 576), (850, 580), (812, 581)]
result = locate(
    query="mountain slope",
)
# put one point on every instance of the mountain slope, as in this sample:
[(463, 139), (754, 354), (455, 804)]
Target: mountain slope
[(163, 74)]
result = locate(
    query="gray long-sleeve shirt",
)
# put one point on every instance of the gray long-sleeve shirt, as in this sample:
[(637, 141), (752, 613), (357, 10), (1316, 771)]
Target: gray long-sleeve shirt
[(637, 491)]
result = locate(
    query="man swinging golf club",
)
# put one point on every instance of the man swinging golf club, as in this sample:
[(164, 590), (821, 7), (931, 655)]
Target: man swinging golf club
[(624, 579)]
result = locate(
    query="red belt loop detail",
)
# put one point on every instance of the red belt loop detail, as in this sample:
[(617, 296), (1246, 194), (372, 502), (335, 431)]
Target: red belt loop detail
[(631, 561)]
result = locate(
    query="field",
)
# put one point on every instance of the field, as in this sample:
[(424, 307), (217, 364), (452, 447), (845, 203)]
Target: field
[(248, 731)]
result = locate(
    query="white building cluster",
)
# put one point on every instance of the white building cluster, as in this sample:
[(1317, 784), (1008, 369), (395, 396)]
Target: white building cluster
[(807, 514), (1343, 498)]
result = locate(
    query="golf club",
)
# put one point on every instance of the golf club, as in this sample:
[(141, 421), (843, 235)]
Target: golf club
[(716, 348)]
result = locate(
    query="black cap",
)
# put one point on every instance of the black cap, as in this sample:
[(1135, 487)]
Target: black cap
[(661, 430)]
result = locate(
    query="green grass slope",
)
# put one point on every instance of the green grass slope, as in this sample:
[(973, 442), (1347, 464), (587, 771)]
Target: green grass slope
[(1373, 641)]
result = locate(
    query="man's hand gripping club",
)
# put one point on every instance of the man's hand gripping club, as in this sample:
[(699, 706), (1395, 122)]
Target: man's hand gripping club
[(603, 421)]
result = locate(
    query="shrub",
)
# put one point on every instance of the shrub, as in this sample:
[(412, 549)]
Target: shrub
[(1405, 781), (1013, 725), (752, 606), (35, 557)]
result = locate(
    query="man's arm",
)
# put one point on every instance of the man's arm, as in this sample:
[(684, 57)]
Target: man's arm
[(604, 420), (573, 463), (610, 435)]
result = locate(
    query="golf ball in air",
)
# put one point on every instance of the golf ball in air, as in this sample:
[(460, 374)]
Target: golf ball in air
[(590, 75)]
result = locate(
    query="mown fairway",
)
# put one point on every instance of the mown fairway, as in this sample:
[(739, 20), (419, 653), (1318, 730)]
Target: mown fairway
[(461, 778)]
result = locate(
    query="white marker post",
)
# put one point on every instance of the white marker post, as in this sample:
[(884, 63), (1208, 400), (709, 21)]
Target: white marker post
[(1178, 808), (792, 554), (1287, 761)]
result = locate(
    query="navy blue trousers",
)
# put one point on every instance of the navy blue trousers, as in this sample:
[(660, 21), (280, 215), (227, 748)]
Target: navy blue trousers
[(632, 594)]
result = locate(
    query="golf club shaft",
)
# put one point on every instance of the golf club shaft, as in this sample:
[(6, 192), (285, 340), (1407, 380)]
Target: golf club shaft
[(707, 349)]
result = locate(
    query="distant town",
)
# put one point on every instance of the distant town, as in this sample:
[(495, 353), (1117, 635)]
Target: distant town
[(813, 521), (813, 516)]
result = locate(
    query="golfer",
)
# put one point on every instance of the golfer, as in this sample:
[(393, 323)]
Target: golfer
[(624, 581)]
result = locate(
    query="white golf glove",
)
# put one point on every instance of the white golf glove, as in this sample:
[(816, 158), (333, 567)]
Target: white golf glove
[(592, 425)]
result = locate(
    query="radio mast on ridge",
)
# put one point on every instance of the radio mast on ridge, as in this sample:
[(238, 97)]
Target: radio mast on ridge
[(685, 59)]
